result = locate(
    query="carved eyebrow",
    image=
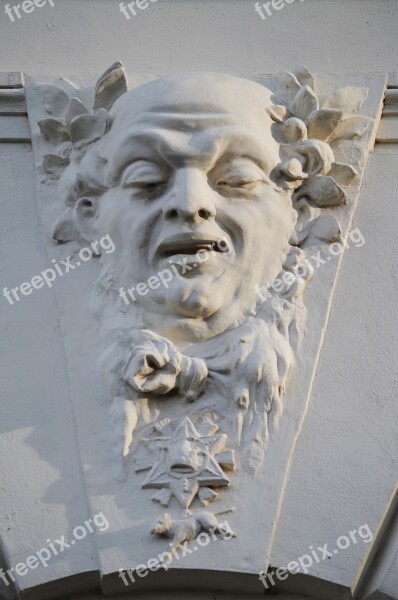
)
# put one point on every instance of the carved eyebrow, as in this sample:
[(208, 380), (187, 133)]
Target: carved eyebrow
[(140, 169), (148, 150), (162, 144), (185, 118), (226, 159), (239, 145)]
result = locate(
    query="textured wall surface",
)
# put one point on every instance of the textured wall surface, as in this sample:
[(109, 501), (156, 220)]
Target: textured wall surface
[(335, 36), (349, 439)]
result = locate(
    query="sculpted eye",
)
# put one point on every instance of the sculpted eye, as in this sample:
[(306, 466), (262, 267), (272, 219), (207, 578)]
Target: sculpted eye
[(241, 174), (143, 175), (239, 183)]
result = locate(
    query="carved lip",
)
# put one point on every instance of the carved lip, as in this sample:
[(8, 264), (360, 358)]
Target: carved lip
[(190, 244)]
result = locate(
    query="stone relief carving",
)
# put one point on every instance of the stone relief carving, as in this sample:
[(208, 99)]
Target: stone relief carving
[(228, 185), (188, 528), (189, 462)]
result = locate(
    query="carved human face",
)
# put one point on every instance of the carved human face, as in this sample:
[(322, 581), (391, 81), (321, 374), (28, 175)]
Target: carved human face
[(190, 161)]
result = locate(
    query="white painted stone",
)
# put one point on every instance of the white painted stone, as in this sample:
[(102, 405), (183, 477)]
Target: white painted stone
[(111, 485), (340, 473)]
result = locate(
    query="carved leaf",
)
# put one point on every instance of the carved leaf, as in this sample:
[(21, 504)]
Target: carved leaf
[(299, 234), (88, 128), (343, 174), (325, 228), (323, 191), (65, 229), (294, 130), (54, 165), (53, 131), (351, 128), (111, 85), (277, 112), (67, 86), (287, 86), (346, 152), (55, 100), (305, 102), (304, 76), (75, 109), (349, 99), (322, 123)]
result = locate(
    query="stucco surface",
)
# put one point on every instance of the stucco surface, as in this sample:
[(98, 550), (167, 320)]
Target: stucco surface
[(349, 438), (335, 36)]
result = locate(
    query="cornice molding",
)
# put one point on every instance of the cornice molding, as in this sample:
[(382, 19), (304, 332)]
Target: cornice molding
[(387, 132), (13, 114)]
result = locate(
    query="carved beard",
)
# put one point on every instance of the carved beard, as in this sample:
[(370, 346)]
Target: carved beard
[(246, 368)]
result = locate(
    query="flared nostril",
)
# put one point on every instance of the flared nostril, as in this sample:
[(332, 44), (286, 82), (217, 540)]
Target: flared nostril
[(172, 213), (203, 213)]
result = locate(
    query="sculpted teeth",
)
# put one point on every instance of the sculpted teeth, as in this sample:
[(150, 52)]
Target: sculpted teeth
[(189, 249)]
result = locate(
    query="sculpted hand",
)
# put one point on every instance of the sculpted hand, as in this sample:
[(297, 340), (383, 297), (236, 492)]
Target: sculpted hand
[(155, 366)]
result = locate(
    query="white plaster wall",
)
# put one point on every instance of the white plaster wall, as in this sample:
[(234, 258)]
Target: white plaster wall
[(351, 428), (336, 36), (40, 470)]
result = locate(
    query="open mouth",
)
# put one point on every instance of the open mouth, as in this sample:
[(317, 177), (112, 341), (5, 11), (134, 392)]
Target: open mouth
[(189, 246)]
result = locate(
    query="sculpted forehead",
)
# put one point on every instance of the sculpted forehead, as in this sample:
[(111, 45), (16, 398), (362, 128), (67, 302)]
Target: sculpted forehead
[(221, 105), (198, 92)]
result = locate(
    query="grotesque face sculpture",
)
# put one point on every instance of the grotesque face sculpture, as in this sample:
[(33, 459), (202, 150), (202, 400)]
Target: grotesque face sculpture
[(190, 203), (210, 187)]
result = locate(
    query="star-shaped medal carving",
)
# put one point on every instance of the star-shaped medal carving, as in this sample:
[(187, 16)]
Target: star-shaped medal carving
[(186, 461)]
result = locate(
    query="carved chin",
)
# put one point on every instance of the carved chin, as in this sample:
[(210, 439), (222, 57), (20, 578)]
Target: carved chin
[(196, 304)]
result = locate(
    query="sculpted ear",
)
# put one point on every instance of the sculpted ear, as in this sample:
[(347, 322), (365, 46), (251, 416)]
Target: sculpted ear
[(87, 217)]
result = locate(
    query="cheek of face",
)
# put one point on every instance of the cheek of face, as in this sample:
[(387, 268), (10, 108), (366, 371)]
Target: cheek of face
[(260, 227), (267, 228), (129, 224)]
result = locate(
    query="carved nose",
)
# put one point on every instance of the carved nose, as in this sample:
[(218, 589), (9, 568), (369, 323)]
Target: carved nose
[(191, 197), (174, 213)]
